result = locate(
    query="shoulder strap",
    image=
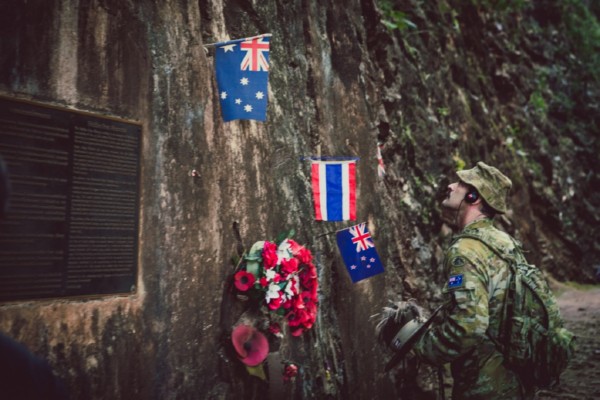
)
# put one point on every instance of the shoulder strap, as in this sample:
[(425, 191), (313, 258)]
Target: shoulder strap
[(496, 250)]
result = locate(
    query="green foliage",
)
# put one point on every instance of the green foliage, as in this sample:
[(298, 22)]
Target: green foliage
[(536, 100), (443, 111), (407, 135), (394, 19), (459, 163), (583, 32), (284, 235), (503, 5)]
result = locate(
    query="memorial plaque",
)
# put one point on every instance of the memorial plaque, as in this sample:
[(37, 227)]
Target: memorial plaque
[(72, 225)]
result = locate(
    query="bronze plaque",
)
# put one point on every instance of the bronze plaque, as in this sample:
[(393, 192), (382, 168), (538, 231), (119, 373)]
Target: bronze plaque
[(72, 224)]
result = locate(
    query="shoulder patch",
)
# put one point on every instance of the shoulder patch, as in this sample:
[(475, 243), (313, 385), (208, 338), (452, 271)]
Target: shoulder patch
[(455, 281), (458, 261)]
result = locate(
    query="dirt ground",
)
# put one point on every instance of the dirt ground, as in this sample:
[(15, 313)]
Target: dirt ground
[(581, 312)]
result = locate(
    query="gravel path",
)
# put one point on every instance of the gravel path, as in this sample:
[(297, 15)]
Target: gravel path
[(581, 312)]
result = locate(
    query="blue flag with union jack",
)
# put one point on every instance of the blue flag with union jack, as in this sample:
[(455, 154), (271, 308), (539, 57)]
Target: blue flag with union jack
[(242, 68), (359, 253)]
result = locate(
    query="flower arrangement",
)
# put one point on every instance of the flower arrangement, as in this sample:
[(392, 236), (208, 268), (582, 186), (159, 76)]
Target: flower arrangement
[(283, 280)]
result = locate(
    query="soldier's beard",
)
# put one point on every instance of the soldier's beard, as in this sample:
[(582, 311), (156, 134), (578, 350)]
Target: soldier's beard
[(450, 215)]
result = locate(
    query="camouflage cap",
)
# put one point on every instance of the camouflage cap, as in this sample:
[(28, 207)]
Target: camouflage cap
[(491, 184)]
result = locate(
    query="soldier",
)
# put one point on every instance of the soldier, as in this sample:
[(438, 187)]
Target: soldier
[(476, 282)]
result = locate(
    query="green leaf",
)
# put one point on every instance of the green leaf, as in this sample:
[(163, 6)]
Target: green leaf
[(253, 267), (255, 253), (257, 371)]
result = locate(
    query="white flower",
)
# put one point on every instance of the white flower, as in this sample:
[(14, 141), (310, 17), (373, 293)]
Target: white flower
[(283, 251), (293, 282), (272, 293), (270, 274)]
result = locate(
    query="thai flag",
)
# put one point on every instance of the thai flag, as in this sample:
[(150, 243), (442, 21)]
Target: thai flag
[(334, 190), (242, 69), (359, 253)]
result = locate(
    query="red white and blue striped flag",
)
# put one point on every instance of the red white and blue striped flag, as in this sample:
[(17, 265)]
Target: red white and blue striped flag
[(334, 190), (359, 253), (242, 69)]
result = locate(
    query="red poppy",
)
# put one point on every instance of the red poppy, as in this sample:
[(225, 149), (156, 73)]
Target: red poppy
[(250, 344), (244, 280), (297, 317)]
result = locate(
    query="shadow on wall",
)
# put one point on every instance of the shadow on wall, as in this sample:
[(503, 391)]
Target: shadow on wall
[(23, 375)]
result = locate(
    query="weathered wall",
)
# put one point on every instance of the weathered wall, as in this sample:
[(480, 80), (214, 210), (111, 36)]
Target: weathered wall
[(340, 82)]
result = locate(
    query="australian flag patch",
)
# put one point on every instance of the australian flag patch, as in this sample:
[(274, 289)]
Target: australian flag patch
[(455, 281)]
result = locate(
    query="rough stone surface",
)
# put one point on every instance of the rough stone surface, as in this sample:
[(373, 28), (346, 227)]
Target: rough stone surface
[(455, 88)]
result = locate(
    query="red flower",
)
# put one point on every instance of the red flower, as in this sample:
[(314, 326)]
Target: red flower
[(297, 331), (298, 302), (274, 304), (288, 304), (294, 246), (297, 317), (263, 282), (274, 328), (269, 255), (304, 256), (289, 372), (289, 266), (244, 280)]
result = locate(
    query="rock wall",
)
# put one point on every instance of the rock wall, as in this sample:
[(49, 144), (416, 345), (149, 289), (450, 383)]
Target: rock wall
[(445, 84)]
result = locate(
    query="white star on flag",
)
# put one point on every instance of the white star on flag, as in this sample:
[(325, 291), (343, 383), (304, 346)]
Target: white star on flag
[(238, 101), (260, 95), (223, 95), (228, 47), (248, 108), (244, 81)]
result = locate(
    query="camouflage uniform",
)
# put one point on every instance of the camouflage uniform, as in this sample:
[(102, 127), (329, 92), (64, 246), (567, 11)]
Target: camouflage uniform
[(475, 290)]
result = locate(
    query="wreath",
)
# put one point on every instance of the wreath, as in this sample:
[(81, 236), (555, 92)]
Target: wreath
[(282, 280)]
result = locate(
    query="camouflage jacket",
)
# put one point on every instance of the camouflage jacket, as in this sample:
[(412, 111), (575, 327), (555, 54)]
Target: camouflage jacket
[(476, 281)]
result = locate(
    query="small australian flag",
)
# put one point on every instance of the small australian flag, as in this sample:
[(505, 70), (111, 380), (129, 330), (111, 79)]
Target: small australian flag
[(242, 68), (359, 253)]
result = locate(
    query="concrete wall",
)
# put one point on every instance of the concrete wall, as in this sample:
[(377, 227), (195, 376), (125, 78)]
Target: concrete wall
[(145, 61)]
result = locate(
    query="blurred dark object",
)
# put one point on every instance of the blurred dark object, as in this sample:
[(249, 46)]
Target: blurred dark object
[(24, 376), (400, 326), (4, 188)]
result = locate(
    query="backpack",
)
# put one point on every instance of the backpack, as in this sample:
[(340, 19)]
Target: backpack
[(532, 337)]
